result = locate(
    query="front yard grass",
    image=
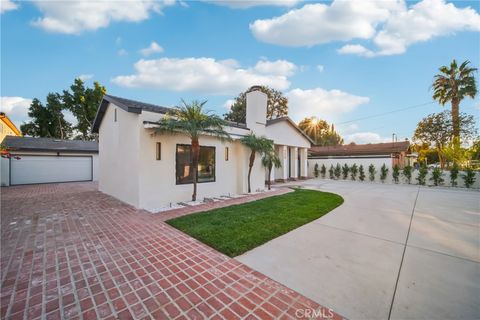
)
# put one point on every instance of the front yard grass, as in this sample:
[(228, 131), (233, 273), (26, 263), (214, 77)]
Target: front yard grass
[(236, 229)]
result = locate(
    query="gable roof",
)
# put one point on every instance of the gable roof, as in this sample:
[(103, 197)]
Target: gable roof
[(9, 123), (291, 122), (361, 149), (49, 144)]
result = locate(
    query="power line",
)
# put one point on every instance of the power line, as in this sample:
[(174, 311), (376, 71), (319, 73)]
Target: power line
[(386, 113)]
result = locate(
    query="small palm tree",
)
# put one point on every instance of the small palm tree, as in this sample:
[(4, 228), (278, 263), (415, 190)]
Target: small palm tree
[(270, 160), (255, 144), (453, 84), (192, 120)]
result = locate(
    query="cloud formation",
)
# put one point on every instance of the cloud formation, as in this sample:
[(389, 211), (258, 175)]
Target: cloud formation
[(365, 137), (151, 49), (16, 108), (389, 24), (85, 77), (245, 4), (7, 5), (206, 75)]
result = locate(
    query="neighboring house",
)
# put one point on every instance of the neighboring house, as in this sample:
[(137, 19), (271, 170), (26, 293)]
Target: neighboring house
[(389, 153), (152, 171), (47, 160), (7, 128)]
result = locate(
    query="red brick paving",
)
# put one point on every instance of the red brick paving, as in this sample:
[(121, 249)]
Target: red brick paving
[(71, 252)]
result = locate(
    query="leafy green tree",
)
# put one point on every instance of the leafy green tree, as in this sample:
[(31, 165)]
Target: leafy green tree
[(316, 173), (469, 177), (453, 84), (270, 160), (83, 103), (323, 171), (338, 171), (383, 173), (396, 173), (345, 170), (422, 174), (354, 172), (331, 172), (320, 132), (361, 173), (454, 175), (371, 172), (192, 120), (277, 105), (407, 173), (256, 144), (437, 176)]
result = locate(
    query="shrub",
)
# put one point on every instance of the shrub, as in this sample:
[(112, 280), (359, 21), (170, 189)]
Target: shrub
[(407, 173), (371, 172), (454, 175), (330, 172), (323, 171), (422, 174), (395, 173), (345, 170), (469, 177), (437, 176), (338, 171), (383, 173), (354, 172), (361, 173), (315, 170)]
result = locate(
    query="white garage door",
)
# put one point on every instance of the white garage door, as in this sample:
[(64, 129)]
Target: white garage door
[(47, 169)]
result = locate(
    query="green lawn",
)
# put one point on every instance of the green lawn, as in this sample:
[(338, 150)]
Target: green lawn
[(236, 229)]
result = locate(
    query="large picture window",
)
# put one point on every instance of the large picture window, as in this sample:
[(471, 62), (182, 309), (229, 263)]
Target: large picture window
[(206, 164)]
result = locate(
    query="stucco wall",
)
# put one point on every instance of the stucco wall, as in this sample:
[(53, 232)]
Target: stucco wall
[(377, 162), (284, 133)]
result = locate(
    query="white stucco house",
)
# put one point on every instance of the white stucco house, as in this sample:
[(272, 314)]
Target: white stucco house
[(152, 171)]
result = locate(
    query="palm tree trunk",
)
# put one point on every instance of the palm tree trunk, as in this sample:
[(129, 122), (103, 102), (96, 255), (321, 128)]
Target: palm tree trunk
[(269, 176), (250, 166), (456, 118), (195, 155)]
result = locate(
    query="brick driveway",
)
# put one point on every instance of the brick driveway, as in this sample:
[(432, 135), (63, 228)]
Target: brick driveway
[(71, 252)]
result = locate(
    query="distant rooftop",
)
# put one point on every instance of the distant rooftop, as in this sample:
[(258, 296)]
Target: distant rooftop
[(49, 144), (361, 149)]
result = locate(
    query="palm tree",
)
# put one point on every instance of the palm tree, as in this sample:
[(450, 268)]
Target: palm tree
[(270, 160), (192, 120), (453, 85), (256, 144)]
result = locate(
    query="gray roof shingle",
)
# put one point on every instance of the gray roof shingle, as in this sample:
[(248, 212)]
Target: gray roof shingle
[(49, 144)]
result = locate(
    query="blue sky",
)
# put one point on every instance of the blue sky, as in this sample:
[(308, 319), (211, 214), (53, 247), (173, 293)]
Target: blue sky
[(340, 60)]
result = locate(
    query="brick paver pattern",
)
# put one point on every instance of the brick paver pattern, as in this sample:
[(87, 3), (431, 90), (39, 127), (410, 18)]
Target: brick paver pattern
[(71, 252)]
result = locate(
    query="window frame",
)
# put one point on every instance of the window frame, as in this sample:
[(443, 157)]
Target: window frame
[(190, 146)]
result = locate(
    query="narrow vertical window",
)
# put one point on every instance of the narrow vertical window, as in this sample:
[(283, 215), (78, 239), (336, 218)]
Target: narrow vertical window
[(159, 151), (226, 153), (115, 115)]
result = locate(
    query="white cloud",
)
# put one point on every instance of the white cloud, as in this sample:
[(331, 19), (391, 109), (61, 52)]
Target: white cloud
[(153, 48), (85, 77), (228, 103), (73, 17), (320, 68), (278, 67), (16, 108), (122, 52), (205, 75), (390, 24), (365, 137), (245, 4), (324, 104), (7, 5)]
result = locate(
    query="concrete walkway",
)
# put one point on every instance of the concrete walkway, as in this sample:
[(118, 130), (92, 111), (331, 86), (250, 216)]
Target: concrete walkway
[(389, 252)]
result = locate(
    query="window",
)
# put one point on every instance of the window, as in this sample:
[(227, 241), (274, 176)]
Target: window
[(206, 164), (226, 153), (115, 115), (159, 150)]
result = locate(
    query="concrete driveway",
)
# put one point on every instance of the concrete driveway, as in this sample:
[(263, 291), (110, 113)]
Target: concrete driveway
[(389, 252)]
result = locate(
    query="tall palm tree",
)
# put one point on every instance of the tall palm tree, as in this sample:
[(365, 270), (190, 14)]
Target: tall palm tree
[(453, 84), (191, 119), (256, 144), (270, 160)]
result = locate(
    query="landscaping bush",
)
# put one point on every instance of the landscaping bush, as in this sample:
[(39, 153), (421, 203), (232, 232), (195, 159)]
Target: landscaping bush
[(345, 170), (395, 173), (469, 177), (361, 173), (371, 172), (383, 173), (330, 172), (354, 172), (422, 174), (454, 175), (323, 171), (437, 176), (338, 171), (407, 173), (315, 170)]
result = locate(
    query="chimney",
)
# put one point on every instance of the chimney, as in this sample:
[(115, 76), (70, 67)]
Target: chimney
[(256, 111)]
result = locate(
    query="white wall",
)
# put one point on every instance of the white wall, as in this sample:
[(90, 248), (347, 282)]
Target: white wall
[(283, 133), (377, 162), (4, 172)]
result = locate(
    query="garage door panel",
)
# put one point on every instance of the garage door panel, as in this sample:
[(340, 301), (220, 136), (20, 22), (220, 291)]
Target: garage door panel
[(48, 169)]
